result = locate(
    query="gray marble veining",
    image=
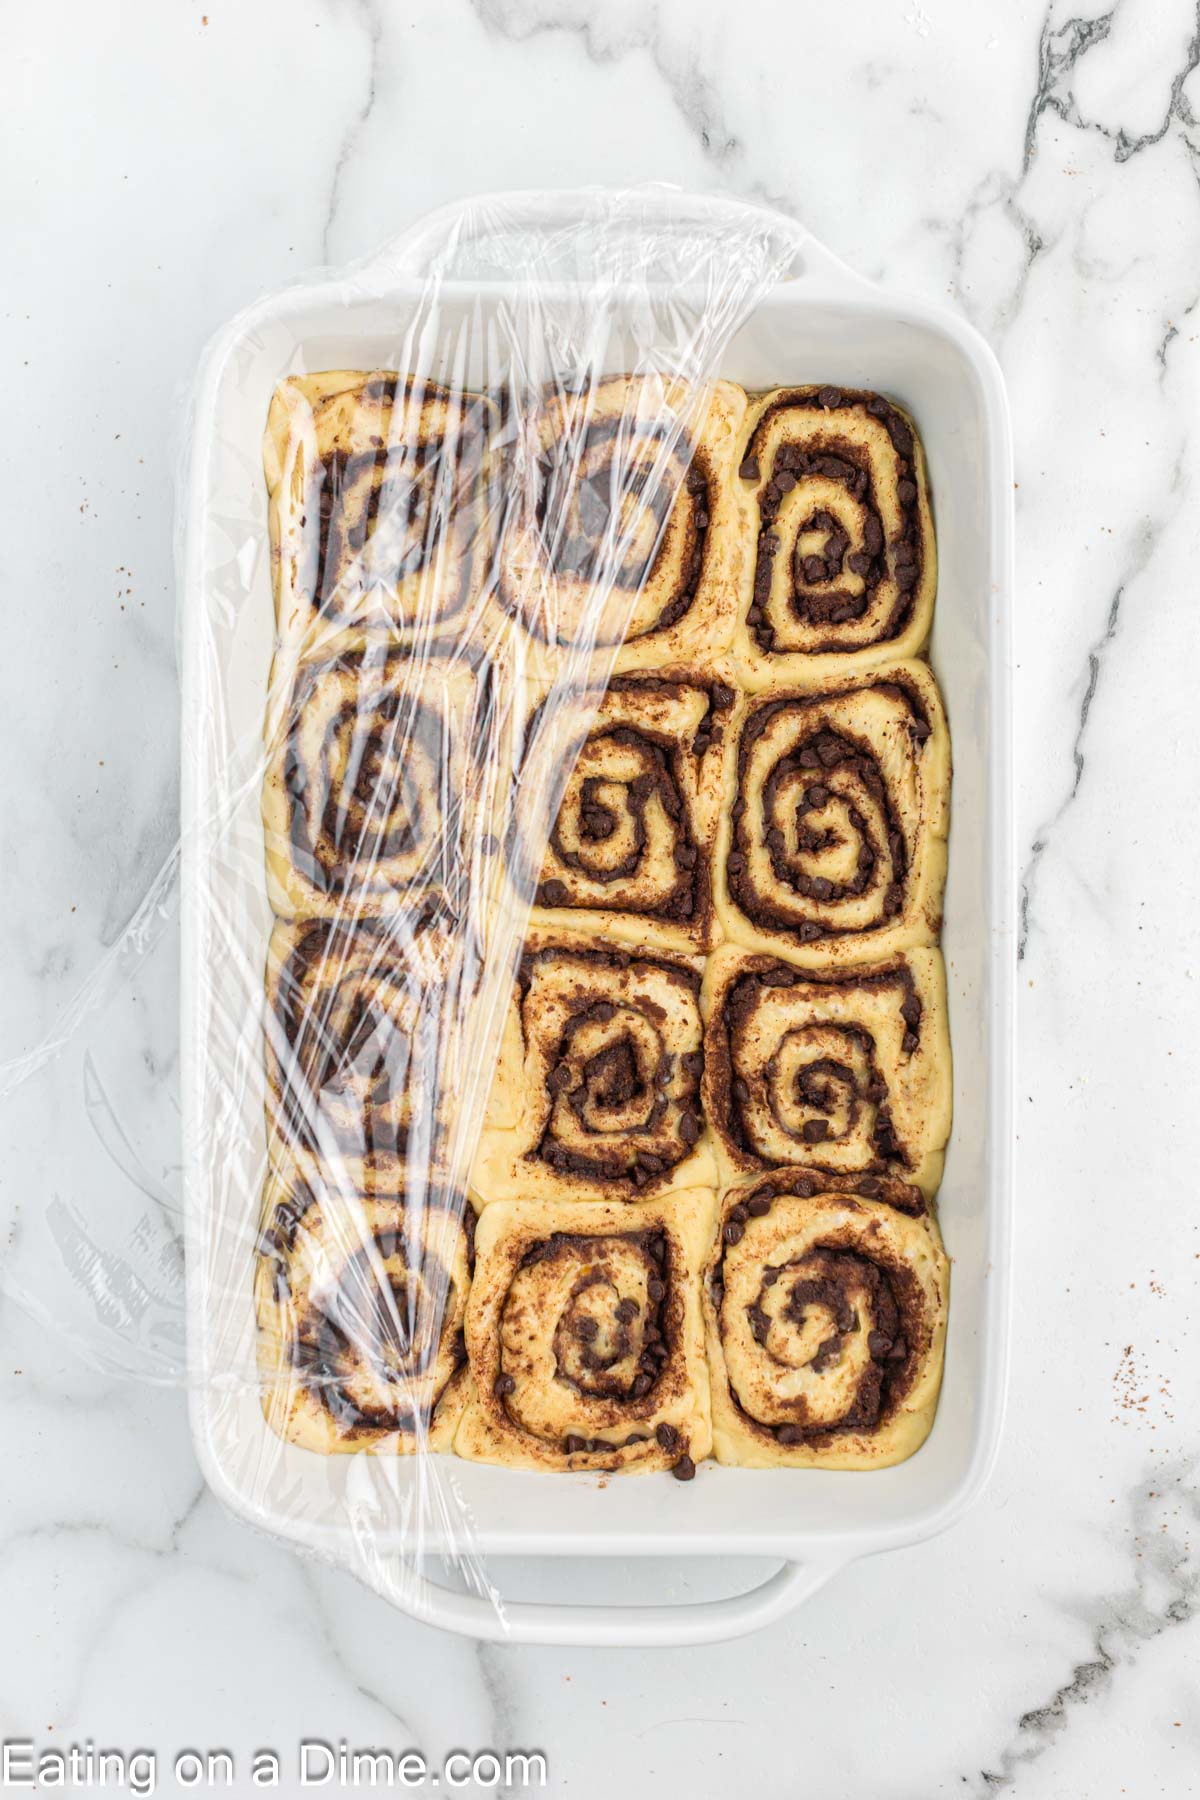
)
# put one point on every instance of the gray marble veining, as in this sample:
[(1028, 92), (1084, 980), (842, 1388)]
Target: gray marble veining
[(1038, 167)]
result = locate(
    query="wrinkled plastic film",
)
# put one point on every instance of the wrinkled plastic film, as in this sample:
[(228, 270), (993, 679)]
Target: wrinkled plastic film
[(397, 615)]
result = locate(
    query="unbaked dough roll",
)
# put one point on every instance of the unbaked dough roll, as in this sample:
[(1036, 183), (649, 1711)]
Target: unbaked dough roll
[(629, 853), (379, 505), (361, 1302), (363, 1029), (369, 797), (597, 1088), (617, 486), (847, 1071), (832, 847), (585, 1337), (825, 1314), (845, 568)]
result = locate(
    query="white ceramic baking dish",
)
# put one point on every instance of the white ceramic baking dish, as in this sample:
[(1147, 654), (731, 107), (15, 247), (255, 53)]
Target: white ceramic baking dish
[(824, 324)]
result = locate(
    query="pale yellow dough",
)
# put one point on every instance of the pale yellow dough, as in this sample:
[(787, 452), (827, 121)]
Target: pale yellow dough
[(892, 620), (798, 1068), (359, 1021), (401, 469), (420, 727), (891, 782), (650, 753), (592, 1065), (360, 1300), (557, 1339), (631, 594), (810, 1347)]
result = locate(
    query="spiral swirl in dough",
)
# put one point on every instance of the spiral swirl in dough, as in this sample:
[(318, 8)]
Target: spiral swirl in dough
[(825, 1314), (625, 524), (845, 569), (361, 1303), (847, 1071), (370, 782), (597, 1088), (379, 505), (585, 1336), (362, 1029), (629, 852), (833, 844)]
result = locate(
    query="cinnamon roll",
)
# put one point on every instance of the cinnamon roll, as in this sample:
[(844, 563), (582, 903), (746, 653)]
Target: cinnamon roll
[(846, 1071), (362, 1034), (629, 852), (378, 505), (585, 1337), (623, 522), (825, 1316), (844, 570), (361, 1302), (597, 1088), (370, 782), (833, 844)]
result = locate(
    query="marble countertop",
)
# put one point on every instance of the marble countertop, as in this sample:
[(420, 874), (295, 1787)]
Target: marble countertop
[(1039, 171)]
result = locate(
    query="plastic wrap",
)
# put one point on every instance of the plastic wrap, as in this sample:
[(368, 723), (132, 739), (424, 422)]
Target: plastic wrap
[(433, 504)]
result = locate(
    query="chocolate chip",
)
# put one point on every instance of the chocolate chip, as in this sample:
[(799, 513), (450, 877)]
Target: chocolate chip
[(789, 1434), (587, 1330), (814, 569), (667, 1436), (693, 1062), (655, 1290), (906, 492), (684, 1469), (816, 795), (741, 1090), (736, 862), (574, 1444), (640, 1385), (830, 396), (733, 1232), (689, 1128), (749, 470), (503, 1384), (759, 1207), (814, 1131), (627, 1310), (553, 892), (785, 481)]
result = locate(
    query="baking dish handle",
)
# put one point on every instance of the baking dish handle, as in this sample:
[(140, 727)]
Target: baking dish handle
[(611, 1627), (435, 245)]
